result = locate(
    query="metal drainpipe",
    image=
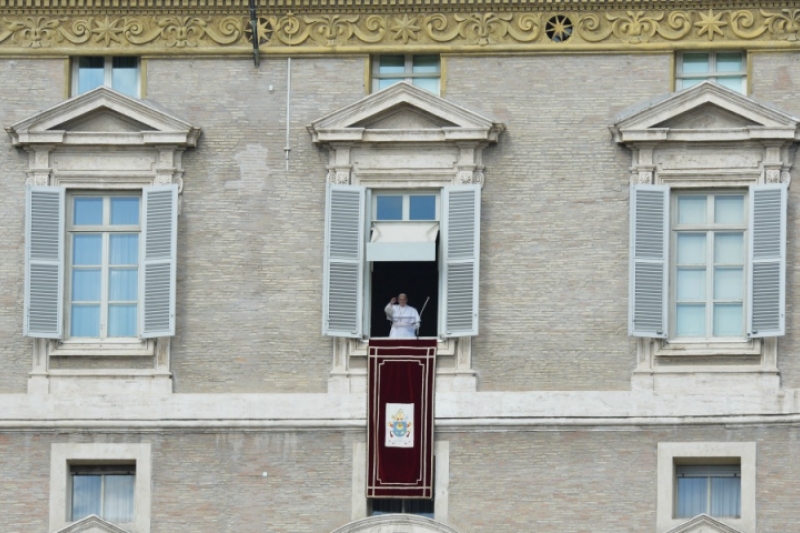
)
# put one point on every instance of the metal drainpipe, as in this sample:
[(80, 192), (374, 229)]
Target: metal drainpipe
[(288, 147)]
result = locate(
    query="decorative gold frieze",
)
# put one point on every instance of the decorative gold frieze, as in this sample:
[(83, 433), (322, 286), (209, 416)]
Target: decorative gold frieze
[(353, 32)]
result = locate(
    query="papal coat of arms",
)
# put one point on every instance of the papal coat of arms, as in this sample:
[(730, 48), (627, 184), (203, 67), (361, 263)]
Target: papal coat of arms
[(399, 425)]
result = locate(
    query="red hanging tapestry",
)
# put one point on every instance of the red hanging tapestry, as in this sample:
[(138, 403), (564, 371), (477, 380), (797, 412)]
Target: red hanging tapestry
[(400, 418)]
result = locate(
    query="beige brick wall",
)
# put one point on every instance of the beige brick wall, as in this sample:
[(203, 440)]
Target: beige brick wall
[(501, 482), (26, 87)]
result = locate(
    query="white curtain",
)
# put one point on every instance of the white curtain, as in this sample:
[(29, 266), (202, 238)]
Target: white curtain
[(726, 496), (85, 496), (118, 498)]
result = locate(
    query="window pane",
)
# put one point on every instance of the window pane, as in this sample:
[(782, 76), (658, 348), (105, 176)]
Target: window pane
[(392, 65), (125, 211), (122, 320), (386, 506), (86, 285), (726, 497), (728, 284), (384, 83), (91, 73), (420, 507), (735, 84), (88, 211), (729, 248), (85, 496), (729, 209), (730, 62), (85, 321), (124, 249), (691, 210), (87, 249), (390, 208), (692, 496), (690, 320), (122, 284), (425, 64), (691, 284), (695, 63), (125, 75), (422, 208), (685, 83), (691, 248), (118, 500), (728, 320), (429, 84)]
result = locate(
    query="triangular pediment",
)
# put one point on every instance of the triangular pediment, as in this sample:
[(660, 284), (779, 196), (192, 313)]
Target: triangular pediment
[(704, 524), (705, 112), (92, 524), (404, 113), (104, 116)]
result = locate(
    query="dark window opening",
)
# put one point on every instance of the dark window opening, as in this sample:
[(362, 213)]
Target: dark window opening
[(418, 280), (401, 506)]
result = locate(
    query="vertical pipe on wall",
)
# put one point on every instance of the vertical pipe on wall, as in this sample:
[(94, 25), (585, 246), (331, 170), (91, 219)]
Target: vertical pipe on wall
[(288, 147)]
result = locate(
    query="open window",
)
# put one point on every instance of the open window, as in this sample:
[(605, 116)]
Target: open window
[(403, 215)]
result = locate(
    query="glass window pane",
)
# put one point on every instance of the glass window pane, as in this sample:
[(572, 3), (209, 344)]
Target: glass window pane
[(87, 211), (695, 62), (384, 83), (86, 285), (85, 496), (685, 83), (389, 208), (690, 320), (91, 73), (728, 284), (422, 208), (125, 75), (392, 65), (87, 249), (692, 496), (122, 320), (420, 507), (85, 321), (425, 64), (726, 497), (729, 248), (429, 84), (125, 211), (123, 285), (386, 506), (729, 209), (735, 84), (124, 249), (728, 320), (691, 210), (691, 248), (691, 284), (730, 62), (118, 498)]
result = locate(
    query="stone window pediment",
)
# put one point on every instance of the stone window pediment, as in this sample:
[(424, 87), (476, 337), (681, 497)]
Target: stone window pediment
[(92, 524), (704, 524)]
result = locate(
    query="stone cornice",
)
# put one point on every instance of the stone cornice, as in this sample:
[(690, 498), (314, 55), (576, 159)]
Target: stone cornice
[(153, 27)]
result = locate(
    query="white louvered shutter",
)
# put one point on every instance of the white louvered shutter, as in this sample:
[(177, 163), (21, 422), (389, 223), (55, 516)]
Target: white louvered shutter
[(767, 283), (461, 219), (342, 306), (649, 261), (44, 262), (158, 261)]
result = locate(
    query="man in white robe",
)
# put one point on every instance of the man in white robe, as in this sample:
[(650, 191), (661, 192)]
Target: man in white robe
[(404, 318)]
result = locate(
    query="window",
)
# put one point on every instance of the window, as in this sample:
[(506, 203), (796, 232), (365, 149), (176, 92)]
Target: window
[(110, 480), (104, 265), (421, 70), (118, 73), (381, 506), (715, 490), (726, 68), (112, 291), (402, 251), (713, 478), (106, 491), (718, 251), (709, 250)]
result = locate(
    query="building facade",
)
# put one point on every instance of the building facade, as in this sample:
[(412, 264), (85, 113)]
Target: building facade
[(203, 223)]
